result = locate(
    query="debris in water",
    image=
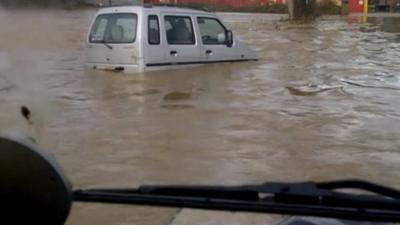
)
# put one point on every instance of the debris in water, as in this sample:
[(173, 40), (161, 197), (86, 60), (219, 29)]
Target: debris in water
[(369, 29), (310, 90), (177, 106), (148, 92), (176, 95)]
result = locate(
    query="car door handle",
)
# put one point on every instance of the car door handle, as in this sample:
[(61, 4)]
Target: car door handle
[(208, 52), (173, 52)]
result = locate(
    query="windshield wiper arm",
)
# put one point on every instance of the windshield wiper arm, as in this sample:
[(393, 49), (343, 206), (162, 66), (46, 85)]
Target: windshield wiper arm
[(307, 198), (106, 44)]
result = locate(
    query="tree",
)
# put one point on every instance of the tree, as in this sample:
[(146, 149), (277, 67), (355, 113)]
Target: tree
[(303, 10)]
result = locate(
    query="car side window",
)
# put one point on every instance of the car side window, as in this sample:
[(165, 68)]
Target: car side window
[(179, 30), (212, 31), (98, 33), (153, 30)]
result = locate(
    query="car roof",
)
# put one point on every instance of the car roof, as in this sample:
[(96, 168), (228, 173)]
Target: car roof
[(154, 9)]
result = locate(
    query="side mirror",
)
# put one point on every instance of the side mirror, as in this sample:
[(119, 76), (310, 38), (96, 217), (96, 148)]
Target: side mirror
[(229, 38), (33, 188)]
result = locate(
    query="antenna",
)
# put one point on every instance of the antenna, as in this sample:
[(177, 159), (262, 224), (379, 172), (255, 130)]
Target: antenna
[(110, 2)]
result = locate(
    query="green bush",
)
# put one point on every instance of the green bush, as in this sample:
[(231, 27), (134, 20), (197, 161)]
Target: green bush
[(304, 11), (328, 7)]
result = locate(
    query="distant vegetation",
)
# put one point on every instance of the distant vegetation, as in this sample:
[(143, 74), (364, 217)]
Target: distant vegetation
[(303, 10), (322, 7), (268, 8), (328, 7)]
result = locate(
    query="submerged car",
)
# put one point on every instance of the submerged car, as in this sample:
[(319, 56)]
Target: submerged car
[(148, 38)]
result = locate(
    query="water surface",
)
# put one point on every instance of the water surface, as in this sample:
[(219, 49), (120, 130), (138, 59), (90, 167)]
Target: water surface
[(321, 103)]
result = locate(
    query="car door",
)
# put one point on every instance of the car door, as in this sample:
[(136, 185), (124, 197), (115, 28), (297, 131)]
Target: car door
[(181, 44), (153, 44), (214, 47)]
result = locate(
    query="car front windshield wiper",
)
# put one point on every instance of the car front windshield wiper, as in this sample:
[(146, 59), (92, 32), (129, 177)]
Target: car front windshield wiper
[(106, 44), (322, 199)]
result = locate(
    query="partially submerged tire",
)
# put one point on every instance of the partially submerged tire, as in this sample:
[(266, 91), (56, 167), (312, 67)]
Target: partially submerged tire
[(33, 188)]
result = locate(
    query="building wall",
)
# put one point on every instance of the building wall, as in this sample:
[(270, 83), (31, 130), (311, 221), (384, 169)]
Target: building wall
[(106, 2), (232, 3), (356, 6)]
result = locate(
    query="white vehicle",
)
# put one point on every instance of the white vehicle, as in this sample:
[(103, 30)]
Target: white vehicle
[(147, 38)]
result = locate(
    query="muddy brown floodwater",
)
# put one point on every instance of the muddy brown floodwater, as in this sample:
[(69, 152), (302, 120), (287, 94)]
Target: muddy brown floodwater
[(321, 103)]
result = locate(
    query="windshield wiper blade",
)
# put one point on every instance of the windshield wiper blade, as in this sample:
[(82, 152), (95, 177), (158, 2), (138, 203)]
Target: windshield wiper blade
[(306, 198), (106, 44)]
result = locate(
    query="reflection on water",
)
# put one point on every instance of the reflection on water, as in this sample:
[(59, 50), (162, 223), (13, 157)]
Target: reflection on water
[(321, 103), (386, 24)]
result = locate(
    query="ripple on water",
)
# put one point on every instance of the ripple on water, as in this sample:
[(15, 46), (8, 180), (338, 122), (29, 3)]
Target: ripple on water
[(148, 92), (177, 106), (177, 95)]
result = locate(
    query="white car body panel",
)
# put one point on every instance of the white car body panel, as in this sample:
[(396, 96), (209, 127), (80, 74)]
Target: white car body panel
[(141, 56)]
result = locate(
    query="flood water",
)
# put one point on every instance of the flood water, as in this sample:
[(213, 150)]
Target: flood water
[(321, 103)]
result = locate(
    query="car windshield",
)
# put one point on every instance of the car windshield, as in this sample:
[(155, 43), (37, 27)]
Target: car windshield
[(322, 102), (114, 28)]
